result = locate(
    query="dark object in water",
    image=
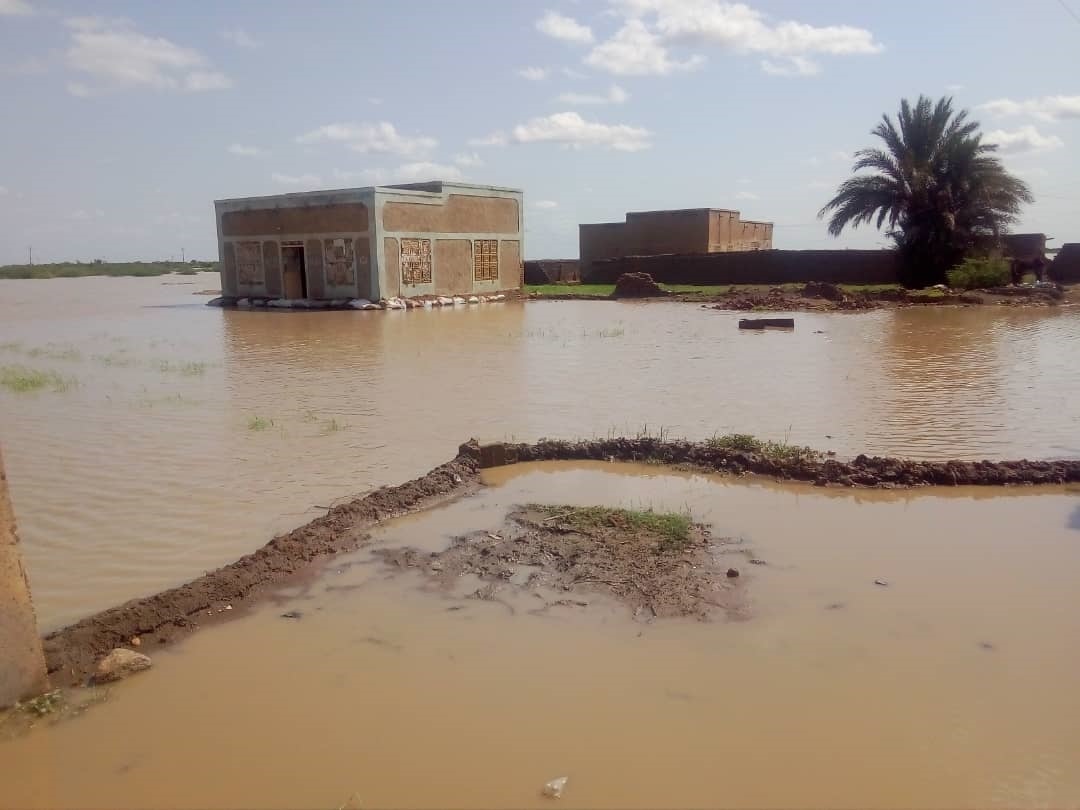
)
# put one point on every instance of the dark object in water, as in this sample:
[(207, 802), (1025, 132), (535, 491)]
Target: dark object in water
[(766, 323)]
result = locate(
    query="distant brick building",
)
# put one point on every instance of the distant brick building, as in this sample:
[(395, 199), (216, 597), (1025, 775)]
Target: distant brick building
[(689, 230)]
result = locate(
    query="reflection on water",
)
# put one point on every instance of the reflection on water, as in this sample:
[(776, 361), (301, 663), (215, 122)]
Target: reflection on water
[(195, 433), (932, 692)]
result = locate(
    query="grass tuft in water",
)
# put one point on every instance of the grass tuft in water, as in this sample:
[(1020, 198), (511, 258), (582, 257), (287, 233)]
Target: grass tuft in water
[(776, 451), (24, 380), (260, 423), (673, 528)]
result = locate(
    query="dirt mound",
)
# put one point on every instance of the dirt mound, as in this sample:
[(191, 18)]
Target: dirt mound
[(73, 652), (637, 285), (658, 565), (821, 289)]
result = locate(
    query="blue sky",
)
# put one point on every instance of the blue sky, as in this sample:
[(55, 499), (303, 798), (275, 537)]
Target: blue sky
[(125, 120)]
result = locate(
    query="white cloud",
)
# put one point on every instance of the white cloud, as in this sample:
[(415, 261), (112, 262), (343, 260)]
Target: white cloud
[(247, 151), (405, 173), (791, 66), (747, 195), (3, 190), (240, 38), (117, 57), (1047, 108), (468, 160), (841, 155), (636, 51), (82, 215), (615, 95), (379, 138), (954, 88), (1034, 171), (545, 205), (533, 74), (570, 73), (565, 28), (571, 130), (640, 47), (1024, 139), (296, 179), (744, 181), (494, 139), (820, 185), (15, 7), (374, 100)]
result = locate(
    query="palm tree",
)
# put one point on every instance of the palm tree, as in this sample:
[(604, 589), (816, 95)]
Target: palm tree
[(942, 192)]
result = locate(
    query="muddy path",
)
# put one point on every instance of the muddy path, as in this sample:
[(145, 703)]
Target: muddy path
[(659, 566), (817, 297), (166, 617)]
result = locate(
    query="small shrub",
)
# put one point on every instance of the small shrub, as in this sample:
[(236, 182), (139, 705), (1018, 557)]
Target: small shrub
[(976, 274), (259, 423)]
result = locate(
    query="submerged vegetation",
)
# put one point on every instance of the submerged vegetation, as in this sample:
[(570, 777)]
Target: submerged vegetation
[(101, 268), (257, 422), (23, 380), (673, 528)]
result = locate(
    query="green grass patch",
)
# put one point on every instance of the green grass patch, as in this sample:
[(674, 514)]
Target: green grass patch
[(777, 451), (23, 380), (672, 528), (99, 268), (260, 423), (854, 289), (571, 289), (187, 369)]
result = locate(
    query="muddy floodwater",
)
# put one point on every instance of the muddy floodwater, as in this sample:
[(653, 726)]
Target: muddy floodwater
[(951, 686), (184, 436)]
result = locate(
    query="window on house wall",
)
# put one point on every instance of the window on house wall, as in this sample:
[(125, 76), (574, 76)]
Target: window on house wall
[(486, 259), (339, 262), (249, 269), (415, 261)]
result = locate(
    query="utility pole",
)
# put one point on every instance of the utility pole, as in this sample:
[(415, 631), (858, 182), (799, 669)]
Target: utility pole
[(31, 249), (183, 258)]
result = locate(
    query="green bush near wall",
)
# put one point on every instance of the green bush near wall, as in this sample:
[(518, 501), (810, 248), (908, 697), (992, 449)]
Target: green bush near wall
[(977, 274)]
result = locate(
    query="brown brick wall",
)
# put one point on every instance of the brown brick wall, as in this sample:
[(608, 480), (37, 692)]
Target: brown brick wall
[(346, 217), (453, 271), (462, 213), (653, 232), (272, 267), (510, 269), (313, 262), (229, 283)]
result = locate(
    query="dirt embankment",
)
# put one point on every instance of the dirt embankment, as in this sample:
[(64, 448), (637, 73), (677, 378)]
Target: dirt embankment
[(73, 652), (658, 565), (817, 468)]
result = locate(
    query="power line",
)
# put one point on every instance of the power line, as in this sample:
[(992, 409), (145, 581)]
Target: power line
[(1069, 11)]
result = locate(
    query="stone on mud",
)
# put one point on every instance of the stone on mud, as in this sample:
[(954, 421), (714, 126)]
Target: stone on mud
[(822, 289), (119, 664)]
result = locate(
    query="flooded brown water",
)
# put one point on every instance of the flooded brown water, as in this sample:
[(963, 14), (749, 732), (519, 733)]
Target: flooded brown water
[(150, 470), (952, 687)]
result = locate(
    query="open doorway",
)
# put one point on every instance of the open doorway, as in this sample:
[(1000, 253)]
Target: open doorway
[(293, 271)]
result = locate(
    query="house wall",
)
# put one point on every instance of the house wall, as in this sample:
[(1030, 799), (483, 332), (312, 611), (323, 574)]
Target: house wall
[(652, 233), (1065, 268), (458, 224), (334, 228)]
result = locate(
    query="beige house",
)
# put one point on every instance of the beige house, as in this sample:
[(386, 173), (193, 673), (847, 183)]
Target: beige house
[(373, 243), (688, 230)]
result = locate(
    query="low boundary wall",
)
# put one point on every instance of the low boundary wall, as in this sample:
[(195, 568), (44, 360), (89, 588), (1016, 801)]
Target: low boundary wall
[(756, 267)]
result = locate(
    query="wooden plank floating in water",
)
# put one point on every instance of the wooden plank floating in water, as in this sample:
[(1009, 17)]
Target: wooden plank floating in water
[(766, 323)]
